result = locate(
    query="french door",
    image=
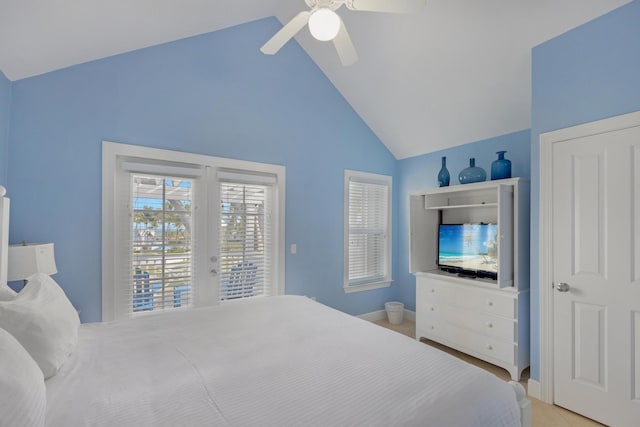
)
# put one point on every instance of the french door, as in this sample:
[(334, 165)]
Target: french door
[(183, 230)]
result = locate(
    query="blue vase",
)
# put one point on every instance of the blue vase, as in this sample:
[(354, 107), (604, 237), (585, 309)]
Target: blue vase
[(501, 168), (443, 175), (472, 174)]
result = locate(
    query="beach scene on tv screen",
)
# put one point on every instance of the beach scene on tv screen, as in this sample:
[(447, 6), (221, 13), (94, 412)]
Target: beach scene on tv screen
[(471, 247)]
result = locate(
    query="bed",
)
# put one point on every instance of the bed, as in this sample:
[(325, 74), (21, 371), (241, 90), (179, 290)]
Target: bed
[(274, 361)]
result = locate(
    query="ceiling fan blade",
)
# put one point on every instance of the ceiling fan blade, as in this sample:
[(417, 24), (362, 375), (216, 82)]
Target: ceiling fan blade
[(393, 6), (286, 33), (344, 46)]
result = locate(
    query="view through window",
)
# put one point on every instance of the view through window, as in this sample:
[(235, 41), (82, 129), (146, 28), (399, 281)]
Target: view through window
[(161, 258), (246, 240)]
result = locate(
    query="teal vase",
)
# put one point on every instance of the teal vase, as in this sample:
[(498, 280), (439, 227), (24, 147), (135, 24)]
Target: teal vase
[(501, 168), (443, 175), (472, 174)]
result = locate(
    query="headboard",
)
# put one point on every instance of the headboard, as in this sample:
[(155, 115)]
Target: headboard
[(4, 235)]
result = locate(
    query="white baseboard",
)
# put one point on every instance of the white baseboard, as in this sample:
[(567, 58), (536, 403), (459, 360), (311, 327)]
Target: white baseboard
[(373, 316), (410, 315), (381, 314), (533, 389)]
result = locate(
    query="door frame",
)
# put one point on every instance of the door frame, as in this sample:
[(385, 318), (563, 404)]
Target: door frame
[(111, 151), (545, 247)]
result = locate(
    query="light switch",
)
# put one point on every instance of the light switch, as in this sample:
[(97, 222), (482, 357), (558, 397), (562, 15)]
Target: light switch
[(294, 248)]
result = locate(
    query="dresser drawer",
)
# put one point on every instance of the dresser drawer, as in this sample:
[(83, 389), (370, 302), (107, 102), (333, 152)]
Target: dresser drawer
[(464, 339), (466, 297), (499, 327)]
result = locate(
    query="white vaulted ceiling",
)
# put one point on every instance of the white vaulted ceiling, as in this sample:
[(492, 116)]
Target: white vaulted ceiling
[(457, 72)]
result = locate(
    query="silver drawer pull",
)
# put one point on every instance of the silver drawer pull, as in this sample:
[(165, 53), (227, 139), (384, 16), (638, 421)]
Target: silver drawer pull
[(489, 325), (489, 347), (433, 290), (432, 327), (433, 309), (490, 303)]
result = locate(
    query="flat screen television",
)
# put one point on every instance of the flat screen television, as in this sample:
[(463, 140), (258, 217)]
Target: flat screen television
[(469, 249)]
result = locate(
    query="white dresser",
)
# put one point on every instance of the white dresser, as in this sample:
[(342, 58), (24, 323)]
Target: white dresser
[(475, 318)]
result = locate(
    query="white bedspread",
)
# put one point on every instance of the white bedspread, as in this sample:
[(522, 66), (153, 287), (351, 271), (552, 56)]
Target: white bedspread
[(281, 361)]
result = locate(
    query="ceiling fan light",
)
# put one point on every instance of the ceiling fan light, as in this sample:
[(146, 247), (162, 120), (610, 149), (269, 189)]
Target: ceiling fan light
[(324, 24)]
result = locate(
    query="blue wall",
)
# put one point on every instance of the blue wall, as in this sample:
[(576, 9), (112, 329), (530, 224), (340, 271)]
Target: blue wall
[(213, 94), (587, 74), (5, 104), (420, 173)]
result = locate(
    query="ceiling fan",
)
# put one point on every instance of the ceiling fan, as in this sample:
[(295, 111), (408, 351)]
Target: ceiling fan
[(325, 24)]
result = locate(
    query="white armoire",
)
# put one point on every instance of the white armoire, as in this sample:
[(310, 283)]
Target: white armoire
[(484, 317)]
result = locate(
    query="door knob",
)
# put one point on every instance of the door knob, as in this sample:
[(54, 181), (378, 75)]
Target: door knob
[(563, 287)]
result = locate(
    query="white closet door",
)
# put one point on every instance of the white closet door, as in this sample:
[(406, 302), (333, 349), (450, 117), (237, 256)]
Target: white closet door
[(596, 275)]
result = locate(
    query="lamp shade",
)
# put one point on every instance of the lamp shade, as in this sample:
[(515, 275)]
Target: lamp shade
[(25, 260)]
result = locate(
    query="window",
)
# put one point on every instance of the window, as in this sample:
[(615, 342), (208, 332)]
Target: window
[(246, 237), (182, 230), (161, 244), (367, 231)]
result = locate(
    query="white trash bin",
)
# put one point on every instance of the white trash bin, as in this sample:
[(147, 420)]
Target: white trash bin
[(395, 312)]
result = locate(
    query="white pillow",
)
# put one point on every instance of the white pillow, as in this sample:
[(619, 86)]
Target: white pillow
[(23, 397), (43, 320), (6, 293)]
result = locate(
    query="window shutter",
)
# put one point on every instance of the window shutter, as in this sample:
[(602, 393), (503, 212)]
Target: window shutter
[(368, 206), (246, 236)]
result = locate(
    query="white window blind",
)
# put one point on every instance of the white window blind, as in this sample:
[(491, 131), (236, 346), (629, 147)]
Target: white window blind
[(368, 229), (161, 245), (246, 237)]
